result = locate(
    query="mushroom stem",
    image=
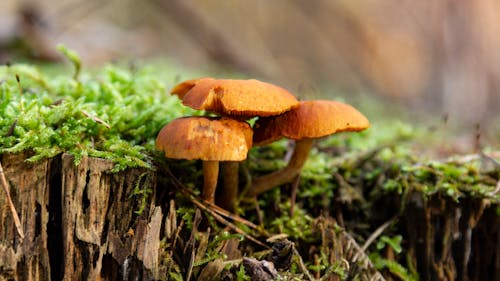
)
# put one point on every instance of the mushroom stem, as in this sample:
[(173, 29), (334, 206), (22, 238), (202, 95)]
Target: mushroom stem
[(285, 175), (210, 174), (227, 198)]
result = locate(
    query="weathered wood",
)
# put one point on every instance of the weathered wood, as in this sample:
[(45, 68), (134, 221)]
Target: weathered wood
[(103, 237), (443, 237), (25, 259), (80, 222)]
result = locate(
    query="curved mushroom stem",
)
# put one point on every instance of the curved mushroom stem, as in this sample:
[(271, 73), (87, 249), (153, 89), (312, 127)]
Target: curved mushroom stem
[(285, 175), (210, 174), (227, 198)]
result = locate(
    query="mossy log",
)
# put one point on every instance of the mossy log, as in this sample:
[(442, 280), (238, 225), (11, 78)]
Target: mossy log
[(79, 222)]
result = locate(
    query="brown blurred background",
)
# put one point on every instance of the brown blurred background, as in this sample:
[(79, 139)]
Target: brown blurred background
[(437, 57)]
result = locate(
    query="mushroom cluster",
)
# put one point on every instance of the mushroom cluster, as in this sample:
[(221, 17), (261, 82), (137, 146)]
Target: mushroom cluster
[(228, 138)]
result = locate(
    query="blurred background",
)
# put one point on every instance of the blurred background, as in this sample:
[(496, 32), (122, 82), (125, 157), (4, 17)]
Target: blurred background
[(438, 59)]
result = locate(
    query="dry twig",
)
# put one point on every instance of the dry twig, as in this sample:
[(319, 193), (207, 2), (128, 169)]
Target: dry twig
[(6, 188), (376, 234), (216, 212), (96, 119), (293, 196), (212, 206), (301, 264)]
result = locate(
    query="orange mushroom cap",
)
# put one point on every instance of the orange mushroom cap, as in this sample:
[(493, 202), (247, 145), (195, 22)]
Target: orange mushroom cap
[(205, 138), (312, 119), (245, 98)]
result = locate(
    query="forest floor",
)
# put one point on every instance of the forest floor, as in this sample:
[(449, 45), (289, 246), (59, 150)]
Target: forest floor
[(399, 201)]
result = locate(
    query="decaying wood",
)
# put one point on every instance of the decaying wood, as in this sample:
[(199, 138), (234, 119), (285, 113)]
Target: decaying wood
[(80, 222), (25, 259), (444, 234), (13, 210), (103, 237)]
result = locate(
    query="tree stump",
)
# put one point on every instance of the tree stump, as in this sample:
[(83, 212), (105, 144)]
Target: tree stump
[(86, 223), (80, 222)]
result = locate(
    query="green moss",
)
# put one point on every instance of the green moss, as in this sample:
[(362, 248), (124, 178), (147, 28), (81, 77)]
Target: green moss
[(114, 113)]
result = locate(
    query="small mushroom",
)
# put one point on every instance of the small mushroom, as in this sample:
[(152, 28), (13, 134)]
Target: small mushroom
[(209, 139), (238, 99), (304, 124)]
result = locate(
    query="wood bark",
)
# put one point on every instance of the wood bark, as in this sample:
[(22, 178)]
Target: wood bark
[(28, 258), (81, 222)]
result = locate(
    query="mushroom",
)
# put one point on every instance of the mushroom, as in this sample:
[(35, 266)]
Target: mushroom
[(304, 124), (238, 99), (235, 98), (209, 139)]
